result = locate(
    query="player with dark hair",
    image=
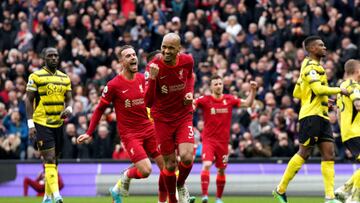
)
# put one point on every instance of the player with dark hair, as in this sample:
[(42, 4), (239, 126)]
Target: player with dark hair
[(126, 91), (170, 84), (349, 118), (217, 111), (313, 91), (47, 104)]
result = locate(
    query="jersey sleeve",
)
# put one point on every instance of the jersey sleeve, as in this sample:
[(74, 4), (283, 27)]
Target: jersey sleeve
[(32, 83), (312, 76), (150, 87), (108, 93), (355, 95), (236, 101), (68, 87), (199, 102), (190, 77), (297, 89)]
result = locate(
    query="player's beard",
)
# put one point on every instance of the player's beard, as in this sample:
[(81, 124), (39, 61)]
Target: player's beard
[(52, 66), (169, 58), (133, 69)]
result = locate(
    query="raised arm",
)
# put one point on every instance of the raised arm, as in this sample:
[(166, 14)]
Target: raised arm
[(150, 84), (250, 99)]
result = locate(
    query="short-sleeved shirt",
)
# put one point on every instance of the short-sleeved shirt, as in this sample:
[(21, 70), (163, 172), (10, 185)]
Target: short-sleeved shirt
[(349, 116), (217, 116), (172, 84), (312, 104), (50, 89), (127, 97)]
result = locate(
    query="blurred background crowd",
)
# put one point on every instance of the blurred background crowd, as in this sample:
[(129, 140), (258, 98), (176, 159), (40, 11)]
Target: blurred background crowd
[(241, 40)]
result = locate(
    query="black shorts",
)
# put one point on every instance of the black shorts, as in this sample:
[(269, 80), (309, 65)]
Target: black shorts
[(353, 145), (315, 129), (47, 138)]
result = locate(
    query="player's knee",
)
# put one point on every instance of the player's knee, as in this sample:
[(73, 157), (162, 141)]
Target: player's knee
[(146, 172), (328, 157), (305, 154), (206, 166), (221, 171), (187, 158), (170, 166), (49, 160)]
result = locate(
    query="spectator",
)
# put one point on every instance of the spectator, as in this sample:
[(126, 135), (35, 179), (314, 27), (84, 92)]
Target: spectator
[(17, 127), (120, 152), (102, 146), (283, 147)]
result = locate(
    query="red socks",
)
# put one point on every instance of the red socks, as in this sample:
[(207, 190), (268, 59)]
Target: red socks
[(134, 173), (170, 181), (205, 180), (184, 171), (162, 187), (220, 184)]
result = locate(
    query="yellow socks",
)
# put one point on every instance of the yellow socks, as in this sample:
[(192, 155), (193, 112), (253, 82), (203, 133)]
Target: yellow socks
[(51, 178), (292, 168), (328, 173)]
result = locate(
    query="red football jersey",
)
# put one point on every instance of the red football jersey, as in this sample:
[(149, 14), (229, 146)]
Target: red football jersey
[(217, 116), (127, 97), (166, 94)]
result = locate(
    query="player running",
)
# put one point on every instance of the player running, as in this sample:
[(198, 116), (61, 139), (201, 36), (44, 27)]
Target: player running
[(349, 118), (126, 91), (217, 110), (170, 94), (313, 91)]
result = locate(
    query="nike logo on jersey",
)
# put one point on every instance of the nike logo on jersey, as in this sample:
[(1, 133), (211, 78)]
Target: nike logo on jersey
[(162, 77), (124, 91)]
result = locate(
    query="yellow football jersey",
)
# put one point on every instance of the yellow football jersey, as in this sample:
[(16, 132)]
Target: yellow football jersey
[(50, 96), (349, 116), (312, 89)]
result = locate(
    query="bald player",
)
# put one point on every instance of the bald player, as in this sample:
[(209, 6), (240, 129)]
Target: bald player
[(169, 94)]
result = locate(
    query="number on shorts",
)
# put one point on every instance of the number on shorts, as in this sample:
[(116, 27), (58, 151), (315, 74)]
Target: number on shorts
[(191, 131)]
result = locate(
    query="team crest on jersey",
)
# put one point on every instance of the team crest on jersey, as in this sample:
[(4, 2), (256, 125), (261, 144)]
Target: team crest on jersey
[(127, 103), (181, 73), (212, 111), (225, 159), (141, 89), (224, 102), (146, 75), (105, 90)]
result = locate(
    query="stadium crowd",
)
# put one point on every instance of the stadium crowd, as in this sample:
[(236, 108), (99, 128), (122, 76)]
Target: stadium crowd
[(241, 40)]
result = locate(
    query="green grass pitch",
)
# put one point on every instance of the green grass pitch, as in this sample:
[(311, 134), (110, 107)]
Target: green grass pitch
[(153, 199)]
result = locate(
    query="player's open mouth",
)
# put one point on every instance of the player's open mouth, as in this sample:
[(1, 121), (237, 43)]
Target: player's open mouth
[(133, 63)]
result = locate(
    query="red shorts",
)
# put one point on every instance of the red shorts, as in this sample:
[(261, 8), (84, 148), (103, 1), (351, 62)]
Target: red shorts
[(141, 146), (217, 151), (170, 135)]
